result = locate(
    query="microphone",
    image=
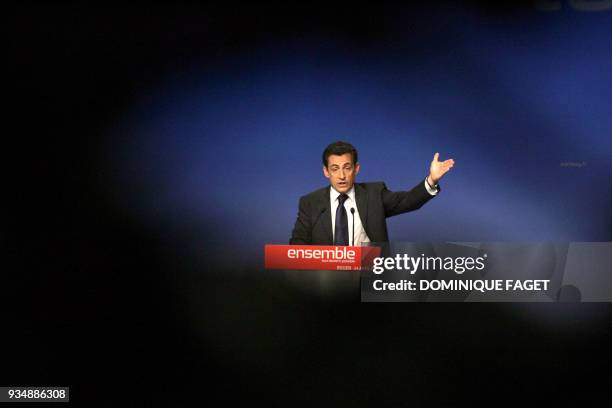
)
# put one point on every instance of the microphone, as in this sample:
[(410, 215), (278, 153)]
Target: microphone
[(353, 212)]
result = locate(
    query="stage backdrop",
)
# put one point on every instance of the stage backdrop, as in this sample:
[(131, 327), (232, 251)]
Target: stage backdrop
[(225, 147)]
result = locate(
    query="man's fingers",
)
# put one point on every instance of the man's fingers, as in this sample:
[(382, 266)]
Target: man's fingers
[(444, 166), (437, 156)]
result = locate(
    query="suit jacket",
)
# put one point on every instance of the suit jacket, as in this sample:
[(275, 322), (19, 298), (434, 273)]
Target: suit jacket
[(374, 202)]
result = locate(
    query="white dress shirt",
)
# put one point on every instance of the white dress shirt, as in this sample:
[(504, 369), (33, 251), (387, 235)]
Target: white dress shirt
[(360, 235)]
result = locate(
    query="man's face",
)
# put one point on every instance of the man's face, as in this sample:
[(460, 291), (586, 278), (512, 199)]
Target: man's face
[(341, 172)]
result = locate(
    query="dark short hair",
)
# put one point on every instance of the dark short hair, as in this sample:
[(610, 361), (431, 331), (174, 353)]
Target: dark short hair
[(339, 148)]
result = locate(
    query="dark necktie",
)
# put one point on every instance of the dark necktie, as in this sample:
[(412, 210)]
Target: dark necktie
[(341, 229)]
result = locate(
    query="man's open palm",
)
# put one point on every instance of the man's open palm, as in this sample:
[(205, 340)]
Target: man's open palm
[(437, 169)]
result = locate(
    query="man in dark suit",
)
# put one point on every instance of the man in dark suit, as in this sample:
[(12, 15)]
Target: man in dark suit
[(346, 212)]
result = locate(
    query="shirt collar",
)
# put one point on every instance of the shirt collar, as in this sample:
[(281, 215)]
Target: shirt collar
[(333, 194)]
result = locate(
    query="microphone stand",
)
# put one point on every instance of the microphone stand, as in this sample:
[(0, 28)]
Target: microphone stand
[(353, 212)]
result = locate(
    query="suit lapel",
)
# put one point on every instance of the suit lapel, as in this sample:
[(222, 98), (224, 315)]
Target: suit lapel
[(361, 196), (326, 216)]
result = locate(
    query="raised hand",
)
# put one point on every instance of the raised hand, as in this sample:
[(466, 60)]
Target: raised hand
[(437, 169)]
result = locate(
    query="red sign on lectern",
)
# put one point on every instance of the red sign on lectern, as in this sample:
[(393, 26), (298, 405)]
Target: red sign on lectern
[(319, 257)]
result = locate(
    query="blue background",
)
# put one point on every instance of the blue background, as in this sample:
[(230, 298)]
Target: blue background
[(523, 104)]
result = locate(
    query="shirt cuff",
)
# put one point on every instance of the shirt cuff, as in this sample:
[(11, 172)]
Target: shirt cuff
[(431, 190)]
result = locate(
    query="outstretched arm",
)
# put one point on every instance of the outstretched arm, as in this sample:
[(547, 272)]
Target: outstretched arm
[(403, 201)]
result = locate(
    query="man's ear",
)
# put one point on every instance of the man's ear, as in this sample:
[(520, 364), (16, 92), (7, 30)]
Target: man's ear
[(325, 172), (357, 167)]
